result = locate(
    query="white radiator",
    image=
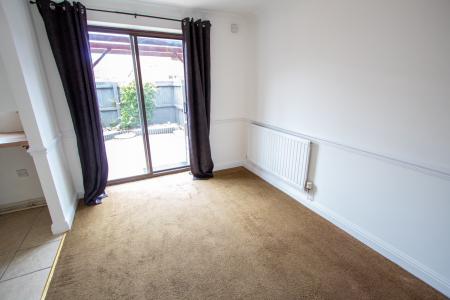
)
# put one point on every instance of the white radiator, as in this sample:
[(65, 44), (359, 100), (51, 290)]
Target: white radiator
[(284, 155)]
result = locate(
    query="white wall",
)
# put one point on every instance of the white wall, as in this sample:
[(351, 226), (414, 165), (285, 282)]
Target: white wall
[(230, 75), (14, 190), (369, 82), (10, 121), (360, 73), (7, 103), (232, 85), (9, 118), (21, 56)]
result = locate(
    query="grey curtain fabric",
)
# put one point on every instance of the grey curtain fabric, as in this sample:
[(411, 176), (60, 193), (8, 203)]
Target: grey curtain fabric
[(197, 63), (66, 26)]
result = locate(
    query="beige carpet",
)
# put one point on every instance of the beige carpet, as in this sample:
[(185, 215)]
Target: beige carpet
[(232, 237)]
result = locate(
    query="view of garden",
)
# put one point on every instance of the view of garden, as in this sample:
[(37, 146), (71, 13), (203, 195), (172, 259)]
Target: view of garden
[(123, 133), (121, 112)]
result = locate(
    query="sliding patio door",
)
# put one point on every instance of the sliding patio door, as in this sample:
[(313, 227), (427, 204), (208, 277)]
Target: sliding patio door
[(140, 89), (166, 114)]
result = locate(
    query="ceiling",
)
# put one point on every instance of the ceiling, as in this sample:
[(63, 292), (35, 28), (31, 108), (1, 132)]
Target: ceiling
[(237, 6)]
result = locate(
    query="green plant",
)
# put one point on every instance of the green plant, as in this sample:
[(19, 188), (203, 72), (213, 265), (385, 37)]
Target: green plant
[(129, 108)]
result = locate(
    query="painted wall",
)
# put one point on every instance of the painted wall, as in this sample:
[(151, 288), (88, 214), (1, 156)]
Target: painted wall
[(29, 86), (338, 72), (7, 103), (232, 85), (230, 75), (10, 121), (369, 82), (14, 189), (9, 117)]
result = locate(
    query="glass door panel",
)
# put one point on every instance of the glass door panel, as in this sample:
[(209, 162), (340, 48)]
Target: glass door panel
[(162, 74), (120, 109)]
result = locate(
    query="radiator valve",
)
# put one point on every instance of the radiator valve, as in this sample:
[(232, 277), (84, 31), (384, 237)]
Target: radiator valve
[(309, 186)]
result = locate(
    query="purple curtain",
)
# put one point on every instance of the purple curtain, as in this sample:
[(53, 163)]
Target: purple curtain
[(197, 63), (66, 26)]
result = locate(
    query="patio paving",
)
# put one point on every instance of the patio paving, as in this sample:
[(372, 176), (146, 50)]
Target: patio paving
[(126, 154)]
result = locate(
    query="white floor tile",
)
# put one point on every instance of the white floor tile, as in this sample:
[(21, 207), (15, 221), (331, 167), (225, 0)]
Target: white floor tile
[(31, 260), (40, 232), (14, 227), (4, 261), (28, 287)]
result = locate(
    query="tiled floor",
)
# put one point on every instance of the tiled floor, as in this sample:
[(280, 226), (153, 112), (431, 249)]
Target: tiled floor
[(27, 252)]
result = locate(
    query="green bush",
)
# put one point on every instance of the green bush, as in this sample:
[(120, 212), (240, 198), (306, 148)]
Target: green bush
[(129, 108)]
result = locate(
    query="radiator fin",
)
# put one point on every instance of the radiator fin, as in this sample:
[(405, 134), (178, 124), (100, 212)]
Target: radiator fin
[(282, 154)]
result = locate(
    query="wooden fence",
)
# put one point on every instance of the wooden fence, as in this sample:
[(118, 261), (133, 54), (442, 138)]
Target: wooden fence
[(169, 104)]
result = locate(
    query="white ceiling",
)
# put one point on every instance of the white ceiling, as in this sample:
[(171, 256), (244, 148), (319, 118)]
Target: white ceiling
[(237, 6)]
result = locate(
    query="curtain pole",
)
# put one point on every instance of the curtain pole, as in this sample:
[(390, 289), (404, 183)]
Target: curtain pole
[(127, 13)]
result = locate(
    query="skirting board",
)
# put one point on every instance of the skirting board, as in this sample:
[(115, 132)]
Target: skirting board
[(26, 204), (398, 257), (66, 225)]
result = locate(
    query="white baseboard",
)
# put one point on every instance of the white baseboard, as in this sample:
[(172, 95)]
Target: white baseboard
[(60, 228), (26, 204), (71, 215), (66, 225), (400, 258)]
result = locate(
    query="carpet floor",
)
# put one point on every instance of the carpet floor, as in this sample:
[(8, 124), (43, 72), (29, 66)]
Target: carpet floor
[(232, 237)]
